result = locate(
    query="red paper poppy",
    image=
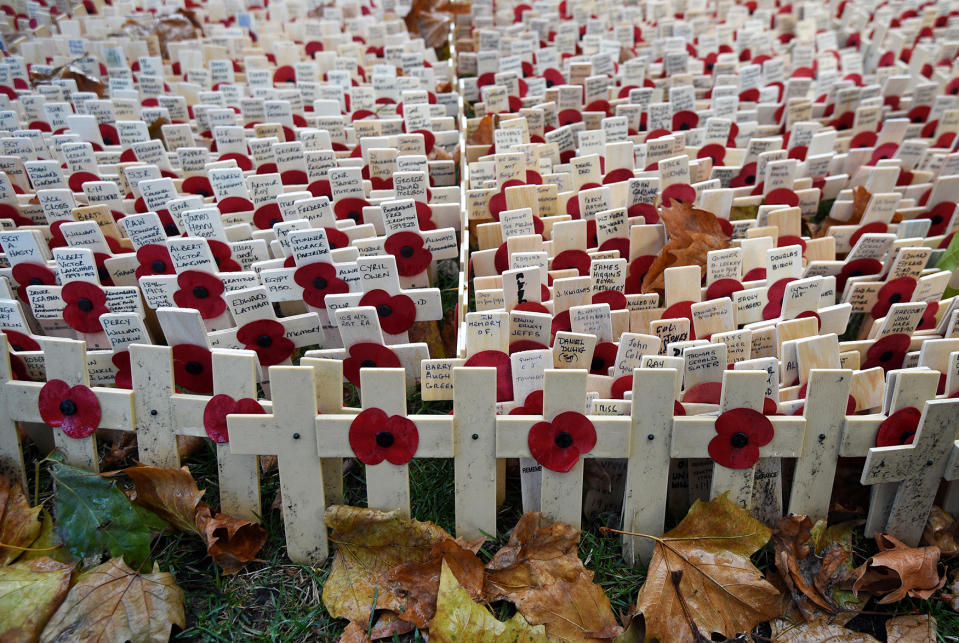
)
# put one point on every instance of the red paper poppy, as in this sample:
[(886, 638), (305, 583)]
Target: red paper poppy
[(569, 116), (775, 294), (202, 291), (888, 352), (223, 256), (20, 342), (218, 407), (893, 292), (615, 299), (646, 210), (685, 120), (412, 257), (233, 204), (746, 176), (577, 259), (74, 409), (782, 196), (193, 368), (351, 208), (199, 185), (85, 303), (504, 371), (876, 227), (723, 288), (321, 187), (714, 151), (681, 192), (857, 268), (154, 259), (899, 428), (557, 445), (929, 321), (8, 211), (266, 338), (681, 310), (561, 323), (533, 405), (267, 216), (367, 355), (620, 386), (123, 378), (77, 179), (319, 280), (396, 312), (32, 274), (375, 436), (638, 268), (604, 357), (618, 176), (521, 345), (940, 216), (739, 434), (619, 244), (704, 393)]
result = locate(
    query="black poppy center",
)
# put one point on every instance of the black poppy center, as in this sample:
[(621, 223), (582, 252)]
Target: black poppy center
[(936, 219), (384, 439), (906, 436), (895, 298), (203, 193), (367, 363), (68, 407), (353, 214), (885, 357), (751, 179), (406, 251), (383, 310), (319, 283), (217, 260), (103, 273), (35, 281), (683, 126), (158, 266), (549, 83), (200, 292), (856, 273), (264, 341), (739, 440), (273, 222), (85, 305), (171, 230), (17, 347), (597, 364), (917, 119), (563, 440), (193, 368)]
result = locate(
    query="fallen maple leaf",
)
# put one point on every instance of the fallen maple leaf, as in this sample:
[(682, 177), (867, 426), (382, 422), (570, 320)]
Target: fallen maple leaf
[(911, 628), (810, 578), (354, 634), (540, 572), (700, 579), (483, 134), (19, 523), (940, 532), (111, 602), (30, 591), (692, 234), (231, 542), (369, 544), (820, 630), (899, 570), (172, 494), (417, 583)]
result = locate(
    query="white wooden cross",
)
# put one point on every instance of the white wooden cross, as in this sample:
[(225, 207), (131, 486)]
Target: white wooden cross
[(163, 414), (918, 469), (65, 360), (692, 435)]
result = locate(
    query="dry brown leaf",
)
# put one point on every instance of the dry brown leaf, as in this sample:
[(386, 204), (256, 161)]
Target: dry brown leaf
[(860, 199), (540, 572), (899, 570), (919, 628), (820, 630), (483, 134), (354, 634), (171, 494), (418, 583), (30, 591), (692, 234), (19, 523), (231, 542), (112, 602), (369, 544), (700, 579), (940, 532), (811, 578)]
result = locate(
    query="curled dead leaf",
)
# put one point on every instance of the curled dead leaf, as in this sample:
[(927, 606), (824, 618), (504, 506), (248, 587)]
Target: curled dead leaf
[(231, 542), (899, 570), (172, 494), (860, 200), (693, 233), (483, 134), (941, 529), (19, 522)]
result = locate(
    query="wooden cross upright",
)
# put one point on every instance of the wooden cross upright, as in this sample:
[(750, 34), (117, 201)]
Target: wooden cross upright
[(692, 435), (561, 493), (65, 359), (163, 414), (918, 469)]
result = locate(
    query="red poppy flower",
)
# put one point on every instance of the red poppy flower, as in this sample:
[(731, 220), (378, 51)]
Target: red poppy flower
[(526, 345), (857, 268), (351, 208), (899, 428), (646, 210), (20, 342), (618, 176), (267, 216), (202, 291), (396, 312), (893, 292), (557, 445), (375, 436), (638, 268), (319, 280), (577, 259), (321, 188), (504, 371), (723, 288), (223, 256), (619, 388), (929, 321), (888, 352), (123, 378), (782, 196), (266, 338), (561, 323), (739, 434), (681, 310), (685, 120), (533, 405), (682, 192), (199, 185), (746, 176), (154, 259), (367, 355), (85, 303), (32, 274), (940, 216), (569, 116), (532, 307), (412, 257), (876, 227), (704, 393), (615, 299), (193, 368), (604, 356), (218, 407), (775, 294), (74, 409), (844, 121), (714, 151), (619, 244)]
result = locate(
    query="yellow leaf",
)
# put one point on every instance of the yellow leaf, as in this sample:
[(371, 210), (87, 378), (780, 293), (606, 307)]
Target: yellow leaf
[(47, 543), (19, 523), (701, 577), (112, 602), (459, 620), (369, 544), (30, 591)]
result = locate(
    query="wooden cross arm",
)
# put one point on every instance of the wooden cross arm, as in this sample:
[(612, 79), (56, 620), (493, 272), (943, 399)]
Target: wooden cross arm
[(257, 435), (691, 437), (116, 405), (612, 436), (435, 436), (859, 435), (188, 413), (932, 446)]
